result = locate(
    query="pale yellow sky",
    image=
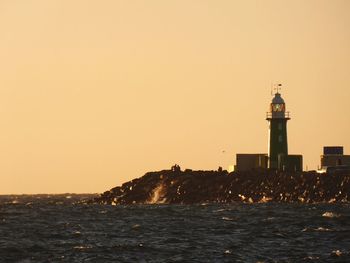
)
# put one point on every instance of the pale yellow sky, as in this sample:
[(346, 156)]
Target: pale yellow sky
[(95, 93)]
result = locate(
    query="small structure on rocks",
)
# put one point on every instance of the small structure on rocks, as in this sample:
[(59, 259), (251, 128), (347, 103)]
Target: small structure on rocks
[(334, 156)]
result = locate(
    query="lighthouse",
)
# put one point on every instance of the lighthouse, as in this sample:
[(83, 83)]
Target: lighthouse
[(278, 144), (277, 157)]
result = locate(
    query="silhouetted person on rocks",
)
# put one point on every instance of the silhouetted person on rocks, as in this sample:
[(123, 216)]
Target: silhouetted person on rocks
[(176, 168)]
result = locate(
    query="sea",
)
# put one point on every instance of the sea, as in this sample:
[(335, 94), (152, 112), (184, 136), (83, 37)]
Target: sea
[(61, 228)]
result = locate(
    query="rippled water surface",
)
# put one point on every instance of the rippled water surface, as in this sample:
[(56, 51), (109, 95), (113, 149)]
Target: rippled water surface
[(56, 229)]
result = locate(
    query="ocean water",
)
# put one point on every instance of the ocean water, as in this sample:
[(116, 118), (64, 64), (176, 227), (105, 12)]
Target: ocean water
[(57, 229)]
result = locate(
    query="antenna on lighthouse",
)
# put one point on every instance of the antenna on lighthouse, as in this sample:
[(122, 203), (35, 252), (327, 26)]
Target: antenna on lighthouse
[(277, 87)]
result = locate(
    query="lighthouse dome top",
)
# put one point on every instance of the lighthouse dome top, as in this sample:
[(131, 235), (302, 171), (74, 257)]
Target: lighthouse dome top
[(277, 99)]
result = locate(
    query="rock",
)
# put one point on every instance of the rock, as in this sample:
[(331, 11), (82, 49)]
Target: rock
[(192, 187)]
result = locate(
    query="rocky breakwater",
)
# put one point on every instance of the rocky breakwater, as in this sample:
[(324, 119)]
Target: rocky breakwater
[(191, 187)]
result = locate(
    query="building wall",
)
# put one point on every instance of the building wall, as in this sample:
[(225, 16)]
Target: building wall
[(294, 163), (247, 162), (334, 160)]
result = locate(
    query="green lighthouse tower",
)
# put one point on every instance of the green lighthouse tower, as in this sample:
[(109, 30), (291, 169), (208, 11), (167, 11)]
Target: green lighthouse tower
[(278, 144)]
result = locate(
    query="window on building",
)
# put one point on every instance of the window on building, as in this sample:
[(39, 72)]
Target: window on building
[(280, 138), (280, 126)]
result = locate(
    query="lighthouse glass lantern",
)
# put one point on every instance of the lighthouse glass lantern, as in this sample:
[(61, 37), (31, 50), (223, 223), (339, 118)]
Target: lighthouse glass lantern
[(278, 144)]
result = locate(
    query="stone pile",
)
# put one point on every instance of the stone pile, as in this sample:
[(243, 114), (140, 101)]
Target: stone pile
[(192, 187)]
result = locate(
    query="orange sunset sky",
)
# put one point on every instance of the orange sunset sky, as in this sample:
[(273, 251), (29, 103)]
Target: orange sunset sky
[(95, 93)]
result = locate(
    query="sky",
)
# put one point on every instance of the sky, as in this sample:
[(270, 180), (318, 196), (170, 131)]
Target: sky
[(96, 93)]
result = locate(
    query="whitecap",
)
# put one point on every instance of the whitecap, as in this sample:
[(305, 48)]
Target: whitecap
[(330, 215), (82, 247), (219, 210), (337, 253), (157, 196), (269, 219), (311, 257), (322, 229), (135, 226), (265, 199), (242, 197), (319, 229), (333, 200)]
